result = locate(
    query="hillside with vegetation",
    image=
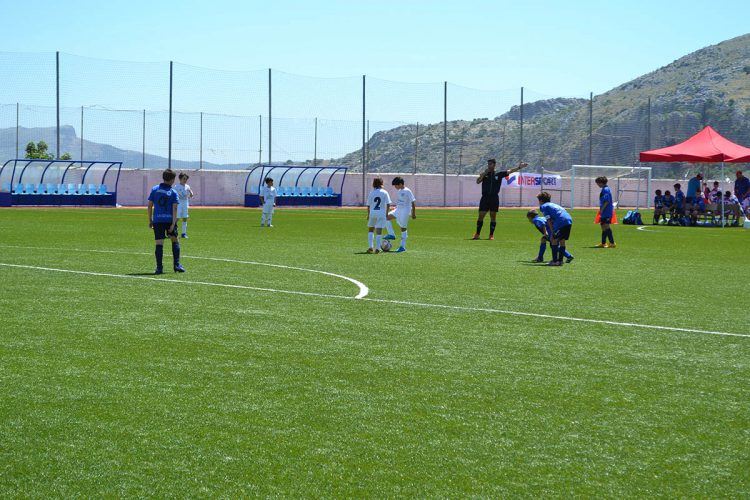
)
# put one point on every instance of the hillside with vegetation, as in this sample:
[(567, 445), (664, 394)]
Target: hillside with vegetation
[(708, 87)]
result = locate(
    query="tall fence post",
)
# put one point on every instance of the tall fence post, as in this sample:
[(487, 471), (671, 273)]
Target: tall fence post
[(591, 128), (57, 102), (445, 143), (260, 140), (81, 133), (315, 144), (17, 127), (143, 142), (416, 149), (648, 126), (520, 150), (169, 152), (200, 145), (364, 164), (270, 127)]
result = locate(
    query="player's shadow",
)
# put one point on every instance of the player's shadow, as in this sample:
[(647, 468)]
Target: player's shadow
[(143, 274)]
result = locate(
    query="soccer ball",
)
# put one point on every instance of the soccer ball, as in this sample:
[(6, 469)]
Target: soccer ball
[(386, 246)]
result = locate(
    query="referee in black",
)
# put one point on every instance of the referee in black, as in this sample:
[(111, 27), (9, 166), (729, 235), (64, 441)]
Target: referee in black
[(490, 201)]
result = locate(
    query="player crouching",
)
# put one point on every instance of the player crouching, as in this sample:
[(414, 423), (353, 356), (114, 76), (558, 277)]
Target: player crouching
[(562, 223), (542, 225)]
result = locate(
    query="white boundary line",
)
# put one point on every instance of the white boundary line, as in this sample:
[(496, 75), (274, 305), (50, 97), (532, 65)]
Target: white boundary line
[(363, 289), (387, 301), (645, 228)]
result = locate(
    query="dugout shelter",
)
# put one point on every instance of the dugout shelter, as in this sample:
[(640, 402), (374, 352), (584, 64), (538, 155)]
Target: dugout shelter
[(59, 182), (297, 185)]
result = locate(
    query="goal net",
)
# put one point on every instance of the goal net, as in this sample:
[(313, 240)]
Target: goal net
[(630, 185)]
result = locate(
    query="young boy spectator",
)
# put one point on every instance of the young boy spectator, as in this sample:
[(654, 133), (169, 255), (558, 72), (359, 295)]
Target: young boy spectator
[(668, 201), (659, 210), (561, 222), (697, 208), (540, 223), (162, 218), (378, 202), (732, 207), (678, 209), (406, 206), (267, 201), (606, 209), (714, 196)]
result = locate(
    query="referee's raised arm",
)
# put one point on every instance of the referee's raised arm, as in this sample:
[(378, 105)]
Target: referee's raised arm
[(521, 164)]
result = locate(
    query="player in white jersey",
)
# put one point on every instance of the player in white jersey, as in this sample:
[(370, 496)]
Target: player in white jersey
[(378, 203), (267, 201), (405, 207), (184, 193)]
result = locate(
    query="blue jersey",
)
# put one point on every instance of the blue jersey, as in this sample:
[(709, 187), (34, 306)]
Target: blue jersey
[(557, 214), (658, 201), (741, 187), (694, 186), (539, 223), (679, 200), (604, 197), (701, 205), (668, 201), (163, 198)]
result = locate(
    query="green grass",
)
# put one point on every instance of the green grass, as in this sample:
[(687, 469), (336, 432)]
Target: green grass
[(125, 386)]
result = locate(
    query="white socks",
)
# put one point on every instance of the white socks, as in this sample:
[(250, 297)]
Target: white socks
[(389, 228), (370, 238), (404, 236), (184, 227)]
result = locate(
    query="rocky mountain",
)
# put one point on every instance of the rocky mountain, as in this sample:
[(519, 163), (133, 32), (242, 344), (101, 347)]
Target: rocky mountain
[(708, 87)]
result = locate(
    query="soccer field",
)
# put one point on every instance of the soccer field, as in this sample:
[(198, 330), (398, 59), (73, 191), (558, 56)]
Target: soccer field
[(462, 369)]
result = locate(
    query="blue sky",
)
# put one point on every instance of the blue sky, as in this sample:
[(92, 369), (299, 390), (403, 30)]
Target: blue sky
[(554, 48)]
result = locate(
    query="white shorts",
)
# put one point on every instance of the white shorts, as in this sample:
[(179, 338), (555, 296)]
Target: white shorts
[(376, 220), (402, 217), (182, 210), (268, 208)]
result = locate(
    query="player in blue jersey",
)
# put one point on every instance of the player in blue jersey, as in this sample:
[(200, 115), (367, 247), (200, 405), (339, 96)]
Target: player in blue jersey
[(162, 218), (561, 222), (606, 210), (541, 224), (659, 209), (697, 208)]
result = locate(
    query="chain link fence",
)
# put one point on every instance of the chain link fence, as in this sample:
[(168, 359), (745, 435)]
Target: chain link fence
[(153, 115)]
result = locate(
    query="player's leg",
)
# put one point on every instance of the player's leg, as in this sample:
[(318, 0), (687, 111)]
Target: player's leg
[(370, 239), (159, 254), (378, 238), (176, 252), (493, 223), (269, 217), (542, 250), (184, 226), (389, 225), (480, 223)]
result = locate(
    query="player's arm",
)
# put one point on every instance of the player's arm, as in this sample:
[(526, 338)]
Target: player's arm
[(174, 217), (150, 213), (413, 210), (190, 193), (483, 175), (262, 200), (521, 165)]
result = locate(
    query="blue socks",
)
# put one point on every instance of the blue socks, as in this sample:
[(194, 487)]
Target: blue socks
[(159, 256), (176, 253), (542, 249)]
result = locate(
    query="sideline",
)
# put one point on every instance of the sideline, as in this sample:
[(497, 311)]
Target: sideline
[(389, 301), (645, 228)]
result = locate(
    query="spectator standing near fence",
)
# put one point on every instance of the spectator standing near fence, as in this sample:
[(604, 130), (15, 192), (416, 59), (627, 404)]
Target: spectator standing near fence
[(162, 218), (267, 201), (606, 209), (184, 193), (490, 200)]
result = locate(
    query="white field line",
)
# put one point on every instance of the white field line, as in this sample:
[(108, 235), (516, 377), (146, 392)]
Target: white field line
[(363, 290), (645, 228), (396, 302)]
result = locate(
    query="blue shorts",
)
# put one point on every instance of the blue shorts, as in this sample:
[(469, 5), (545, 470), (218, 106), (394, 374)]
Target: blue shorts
[(605, 220), (161, 230)]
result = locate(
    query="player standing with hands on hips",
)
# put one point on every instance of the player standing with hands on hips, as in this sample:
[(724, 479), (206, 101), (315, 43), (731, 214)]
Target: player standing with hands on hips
[(490, 200)]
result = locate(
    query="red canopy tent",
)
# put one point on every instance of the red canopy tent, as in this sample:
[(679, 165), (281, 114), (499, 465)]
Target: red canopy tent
[(707, 146)]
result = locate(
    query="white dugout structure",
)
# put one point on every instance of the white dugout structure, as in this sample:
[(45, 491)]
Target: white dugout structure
[(576, 189)]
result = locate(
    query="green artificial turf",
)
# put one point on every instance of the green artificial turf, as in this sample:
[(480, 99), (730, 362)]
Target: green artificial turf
[(434, 385)]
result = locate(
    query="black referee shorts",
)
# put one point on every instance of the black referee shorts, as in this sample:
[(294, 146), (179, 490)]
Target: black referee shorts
[(489, 203)]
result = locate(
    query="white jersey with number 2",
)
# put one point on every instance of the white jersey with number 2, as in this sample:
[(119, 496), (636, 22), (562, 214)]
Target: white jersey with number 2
[(378, 201)]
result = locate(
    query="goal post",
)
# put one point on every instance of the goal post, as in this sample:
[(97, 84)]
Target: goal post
[(630, 185)]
